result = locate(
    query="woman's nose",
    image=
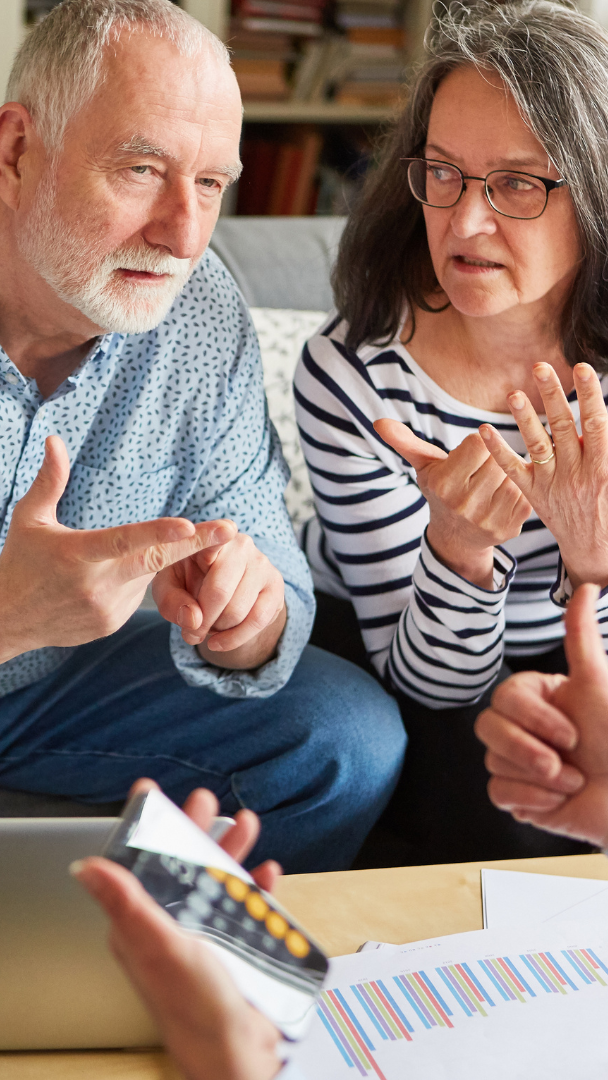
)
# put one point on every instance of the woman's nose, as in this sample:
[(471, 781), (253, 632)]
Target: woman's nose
[(473, 213)]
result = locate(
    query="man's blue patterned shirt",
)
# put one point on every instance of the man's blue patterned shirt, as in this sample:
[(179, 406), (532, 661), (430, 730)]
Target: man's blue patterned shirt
[(171, 422)]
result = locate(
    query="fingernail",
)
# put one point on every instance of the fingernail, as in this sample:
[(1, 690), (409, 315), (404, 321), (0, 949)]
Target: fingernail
[(566, 740), (542, 372), (584, 372), (185, 618), (485, 433), (548, 766), (223, 533), (75, 867), (573, 783), (516, 400)]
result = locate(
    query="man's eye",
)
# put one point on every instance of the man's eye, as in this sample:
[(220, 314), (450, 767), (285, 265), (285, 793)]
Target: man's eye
[(209, 183), (139, 169)]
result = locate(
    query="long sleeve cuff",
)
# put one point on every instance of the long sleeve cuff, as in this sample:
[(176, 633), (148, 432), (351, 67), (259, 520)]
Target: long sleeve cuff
[(263, 681), (449, 644), (562, 590)]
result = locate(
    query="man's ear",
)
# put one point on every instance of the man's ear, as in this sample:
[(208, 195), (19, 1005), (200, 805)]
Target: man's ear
[(16, 140)]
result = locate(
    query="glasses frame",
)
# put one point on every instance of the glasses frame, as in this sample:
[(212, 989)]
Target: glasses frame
[(549, 185)]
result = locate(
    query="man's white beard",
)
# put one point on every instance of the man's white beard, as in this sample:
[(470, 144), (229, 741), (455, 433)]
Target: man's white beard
[(70, 257)]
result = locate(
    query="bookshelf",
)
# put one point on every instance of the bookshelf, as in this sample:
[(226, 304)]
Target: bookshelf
[(313, 112)]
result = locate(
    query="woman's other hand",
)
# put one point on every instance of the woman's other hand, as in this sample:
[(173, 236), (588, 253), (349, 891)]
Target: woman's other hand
[(473, 506), (547, 736), (567, 483)]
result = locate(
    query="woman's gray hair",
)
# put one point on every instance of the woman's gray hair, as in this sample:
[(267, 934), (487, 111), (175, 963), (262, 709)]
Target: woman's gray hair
[(554, 61), (61, 64)]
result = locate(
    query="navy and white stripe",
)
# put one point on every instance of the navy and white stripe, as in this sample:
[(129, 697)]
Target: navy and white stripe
[(439, 638)]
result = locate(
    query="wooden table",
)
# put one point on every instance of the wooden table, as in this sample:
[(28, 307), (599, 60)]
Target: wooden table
[(341, 910)]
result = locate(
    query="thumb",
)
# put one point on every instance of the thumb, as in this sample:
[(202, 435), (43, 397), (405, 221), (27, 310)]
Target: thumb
[(48, 487), (416, 451), (584, 646)]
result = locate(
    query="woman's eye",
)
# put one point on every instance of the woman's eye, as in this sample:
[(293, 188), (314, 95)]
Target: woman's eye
[(441, 176), (518, 183)]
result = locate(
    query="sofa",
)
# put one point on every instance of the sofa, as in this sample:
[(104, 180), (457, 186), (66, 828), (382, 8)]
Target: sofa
[(282, 266)]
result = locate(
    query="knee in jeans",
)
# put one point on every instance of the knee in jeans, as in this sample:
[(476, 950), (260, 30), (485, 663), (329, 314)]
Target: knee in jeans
[(358, 723)]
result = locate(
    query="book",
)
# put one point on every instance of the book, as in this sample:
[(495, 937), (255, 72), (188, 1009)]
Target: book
[(287, 26), (370, 93), (261, 80), (259, 157), (377, 35), (280, 10)]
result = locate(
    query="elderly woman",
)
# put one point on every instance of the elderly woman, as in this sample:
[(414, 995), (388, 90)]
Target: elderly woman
[(457, 503)]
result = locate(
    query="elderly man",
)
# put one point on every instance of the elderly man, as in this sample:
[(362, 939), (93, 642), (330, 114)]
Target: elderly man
[(135, 446)]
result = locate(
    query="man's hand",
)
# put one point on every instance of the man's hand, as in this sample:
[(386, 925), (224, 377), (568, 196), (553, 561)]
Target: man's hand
[(569, 489), (473, 506), (61, 586), (207, 1026), (547, 736), (229, 601)]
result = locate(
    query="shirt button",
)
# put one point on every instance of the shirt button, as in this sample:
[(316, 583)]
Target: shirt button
[(12, 378)]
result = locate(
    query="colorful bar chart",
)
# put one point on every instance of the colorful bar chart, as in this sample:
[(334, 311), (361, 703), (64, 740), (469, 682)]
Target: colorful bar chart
[(406, 1005)]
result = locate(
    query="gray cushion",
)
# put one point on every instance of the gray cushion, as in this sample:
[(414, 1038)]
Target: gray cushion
[(280, 262)]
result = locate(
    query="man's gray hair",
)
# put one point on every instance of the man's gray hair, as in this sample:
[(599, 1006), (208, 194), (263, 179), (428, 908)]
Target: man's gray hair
[(61, 64), (554, 61)]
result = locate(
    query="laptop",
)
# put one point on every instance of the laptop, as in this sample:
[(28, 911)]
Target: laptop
[(60, 987)]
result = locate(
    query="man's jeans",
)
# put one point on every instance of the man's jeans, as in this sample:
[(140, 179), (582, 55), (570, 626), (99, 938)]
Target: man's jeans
[(318, 761)]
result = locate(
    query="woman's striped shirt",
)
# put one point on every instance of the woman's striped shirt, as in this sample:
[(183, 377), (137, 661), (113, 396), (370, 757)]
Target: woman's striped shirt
[(437, 637)]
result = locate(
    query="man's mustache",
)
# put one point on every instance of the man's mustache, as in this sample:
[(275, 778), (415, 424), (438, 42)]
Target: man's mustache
[(146, 260)]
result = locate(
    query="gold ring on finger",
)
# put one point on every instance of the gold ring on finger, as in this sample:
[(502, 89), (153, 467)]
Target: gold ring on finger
[(544, 460)]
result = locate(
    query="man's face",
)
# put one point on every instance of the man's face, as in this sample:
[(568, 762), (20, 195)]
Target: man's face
[(117, 226)]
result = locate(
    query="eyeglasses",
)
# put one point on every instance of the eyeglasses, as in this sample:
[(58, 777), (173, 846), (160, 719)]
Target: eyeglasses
[(512, 194)]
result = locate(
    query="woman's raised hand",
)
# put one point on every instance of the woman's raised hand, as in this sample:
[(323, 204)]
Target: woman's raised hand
[(567, 479), (473, 506)]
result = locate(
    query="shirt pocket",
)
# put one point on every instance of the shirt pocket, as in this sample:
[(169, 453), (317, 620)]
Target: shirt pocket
[(101, 498)]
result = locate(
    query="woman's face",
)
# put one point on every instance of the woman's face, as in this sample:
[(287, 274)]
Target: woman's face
[(484, 262)]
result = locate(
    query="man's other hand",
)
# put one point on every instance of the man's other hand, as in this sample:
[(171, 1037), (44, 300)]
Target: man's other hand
[(229, 601), (547, 736), (209, 1029), (61, 586)]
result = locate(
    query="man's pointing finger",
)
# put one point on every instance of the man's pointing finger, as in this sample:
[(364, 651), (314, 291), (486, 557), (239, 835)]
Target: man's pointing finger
[(154, 544)]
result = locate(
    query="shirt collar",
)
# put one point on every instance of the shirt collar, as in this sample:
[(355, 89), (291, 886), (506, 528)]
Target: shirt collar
[(104, 351)]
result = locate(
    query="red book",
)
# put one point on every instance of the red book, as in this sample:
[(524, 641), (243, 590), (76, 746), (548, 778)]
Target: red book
[(259, 158)]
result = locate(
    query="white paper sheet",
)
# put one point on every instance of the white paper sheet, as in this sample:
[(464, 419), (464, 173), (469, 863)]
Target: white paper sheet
[(511, 898), (547, 1026), (164, 829)]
